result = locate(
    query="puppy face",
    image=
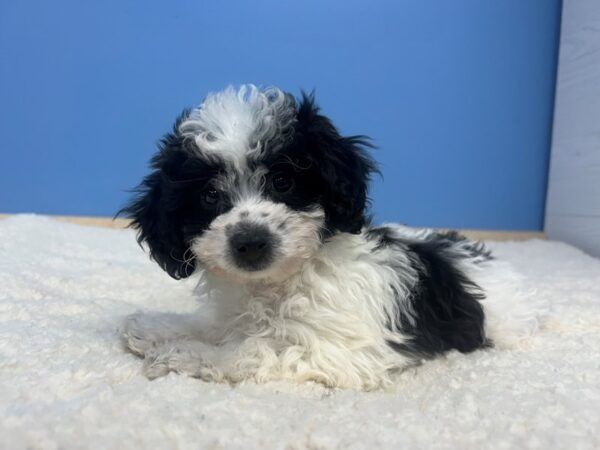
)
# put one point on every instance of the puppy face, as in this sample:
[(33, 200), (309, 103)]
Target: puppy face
[(248, 185)]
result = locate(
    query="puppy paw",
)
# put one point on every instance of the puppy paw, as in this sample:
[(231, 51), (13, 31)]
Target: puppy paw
[(184, 357), (156, 365), (137, 334)]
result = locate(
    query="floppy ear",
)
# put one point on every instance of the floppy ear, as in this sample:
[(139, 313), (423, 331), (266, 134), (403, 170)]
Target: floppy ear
[(155, 211), (344, 166)]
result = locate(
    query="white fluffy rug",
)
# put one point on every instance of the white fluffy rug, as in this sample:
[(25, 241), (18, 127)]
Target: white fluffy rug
[(65, 381)]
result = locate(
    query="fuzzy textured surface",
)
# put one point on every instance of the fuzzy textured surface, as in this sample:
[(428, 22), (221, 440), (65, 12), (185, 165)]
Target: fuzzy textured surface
[(66, 382)]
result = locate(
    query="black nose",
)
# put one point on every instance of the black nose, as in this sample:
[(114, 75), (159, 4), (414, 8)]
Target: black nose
[(251, 246)]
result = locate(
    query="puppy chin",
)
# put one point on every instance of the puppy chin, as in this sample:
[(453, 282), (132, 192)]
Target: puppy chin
[(275, 273)]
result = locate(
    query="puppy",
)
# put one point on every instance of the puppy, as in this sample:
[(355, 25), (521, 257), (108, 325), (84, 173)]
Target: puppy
[(258, 194)]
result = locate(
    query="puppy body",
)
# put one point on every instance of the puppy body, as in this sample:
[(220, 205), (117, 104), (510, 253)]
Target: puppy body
[(263, 198)]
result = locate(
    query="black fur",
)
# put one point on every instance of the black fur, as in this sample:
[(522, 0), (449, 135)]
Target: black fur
[(327, 168), (476, 249), (446, 303), (167, 211)]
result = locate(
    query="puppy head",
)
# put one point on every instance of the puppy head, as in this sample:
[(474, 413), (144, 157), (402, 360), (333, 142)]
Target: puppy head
[(248, 185)]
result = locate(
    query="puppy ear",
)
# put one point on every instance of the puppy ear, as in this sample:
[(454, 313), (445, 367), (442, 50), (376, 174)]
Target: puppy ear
[(343, 163), (155, 210)]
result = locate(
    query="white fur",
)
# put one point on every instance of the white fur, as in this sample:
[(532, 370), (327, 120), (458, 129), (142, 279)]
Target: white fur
[(234, 124), (326, 322), (298, 233), (326, 311), (512, 311)]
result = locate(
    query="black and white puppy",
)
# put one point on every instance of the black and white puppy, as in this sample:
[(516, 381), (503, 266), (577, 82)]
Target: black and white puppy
[(258, 194)]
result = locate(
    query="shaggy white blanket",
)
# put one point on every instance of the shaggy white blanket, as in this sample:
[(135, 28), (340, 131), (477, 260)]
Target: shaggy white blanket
[(66, 382)]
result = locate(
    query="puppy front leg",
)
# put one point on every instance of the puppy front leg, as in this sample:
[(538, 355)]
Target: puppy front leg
[(192, 358), (141, 332), (232, 362), (264, 359)]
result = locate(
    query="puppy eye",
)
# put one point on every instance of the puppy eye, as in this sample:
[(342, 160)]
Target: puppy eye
[(282, 182), (211, 197)]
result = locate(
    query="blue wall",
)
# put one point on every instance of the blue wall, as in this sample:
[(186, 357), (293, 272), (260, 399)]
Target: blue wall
[(457, 94)]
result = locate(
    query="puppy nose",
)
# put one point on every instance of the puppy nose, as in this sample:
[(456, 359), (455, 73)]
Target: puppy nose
[(251, 246)]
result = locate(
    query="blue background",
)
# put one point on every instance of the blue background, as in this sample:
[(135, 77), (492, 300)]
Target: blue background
[(457, 95)]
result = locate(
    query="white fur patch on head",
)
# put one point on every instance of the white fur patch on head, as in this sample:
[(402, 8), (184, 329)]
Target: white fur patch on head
[(297, 234), (236, 123)]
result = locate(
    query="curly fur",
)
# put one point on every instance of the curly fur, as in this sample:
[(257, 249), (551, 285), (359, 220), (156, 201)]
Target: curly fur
[(259, 195)]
